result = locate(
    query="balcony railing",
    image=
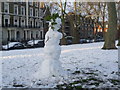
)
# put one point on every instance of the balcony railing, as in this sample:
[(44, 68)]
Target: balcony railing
[(19, 26)]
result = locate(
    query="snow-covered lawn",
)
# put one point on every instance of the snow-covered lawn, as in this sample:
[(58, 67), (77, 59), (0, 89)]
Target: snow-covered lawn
[(88, 66)]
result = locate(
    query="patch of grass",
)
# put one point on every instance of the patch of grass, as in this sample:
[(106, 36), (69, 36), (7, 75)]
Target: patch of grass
[(114, 81), (76, 72), (68, 69), (95, 83), (84, 80), (17, 85), (78, 87), (94, 79)]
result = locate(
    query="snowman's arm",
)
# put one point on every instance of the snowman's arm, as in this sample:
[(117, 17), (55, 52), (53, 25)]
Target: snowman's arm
[(46, 38), (47, 35), (61, 36)]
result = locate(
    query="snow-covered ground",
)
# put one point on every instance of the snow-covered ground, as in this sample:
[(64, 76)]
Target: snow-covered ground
[(82, 61)]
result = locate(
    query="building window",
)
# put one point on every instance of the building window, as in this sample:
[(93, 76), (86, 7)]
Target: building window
[(24, 35), (41, 34), (40, 12), (22, 22), (36, 4), (6, 7), (32, 34), (21, 1), (36, 23), (16, 21), (22, 10), (18, 35), (6, 22), (30, 2), (31, 23), (16, 0), (37, 36), (31, 11), (36, 12), (16, 9)]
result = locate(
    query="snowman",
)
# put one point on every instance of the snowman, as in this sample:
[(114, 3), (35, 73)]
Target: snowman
[(51, 66)]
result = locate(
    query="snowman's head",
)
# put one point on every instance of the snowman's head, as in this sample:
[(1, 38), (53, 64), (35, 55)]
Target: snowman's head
[(57, 26)]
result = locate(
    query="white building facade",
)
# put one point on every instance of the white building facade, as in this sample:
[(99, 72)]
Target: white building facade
[(21, 21)]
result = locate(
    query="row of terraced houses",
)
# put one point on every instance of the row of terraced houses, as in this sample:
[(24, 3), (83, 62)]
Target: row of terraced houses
[(22, 21)]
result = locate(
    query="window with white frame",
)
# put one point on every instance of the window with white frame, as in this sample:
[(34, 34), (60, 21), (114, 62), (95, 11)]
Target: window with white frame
[(22, 22), (40, 13), (36, 4), (31, 11), (41, 34), (40, 23), (21, 1), (30, 2), (16, 0), (22, 10), (16, 21), (36, 12), (31, 22), (6, 7), (37, 34), (16, 9), (36, 23), (6, 21)]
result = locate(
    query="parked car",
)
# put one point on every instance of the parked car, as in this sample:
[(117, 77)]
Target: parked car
[(91, 40), (35, 43), (69, 42), (86, 41), (83, 41), (13, 45), (99, 40)]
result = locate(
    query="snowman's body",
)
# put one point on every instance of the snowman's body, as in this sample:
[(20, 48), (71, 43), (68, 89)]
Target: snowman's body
[(51, 66)]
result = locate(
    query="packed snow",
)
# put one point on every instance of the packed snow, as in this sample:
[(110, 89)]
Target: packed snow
[(81, 61)]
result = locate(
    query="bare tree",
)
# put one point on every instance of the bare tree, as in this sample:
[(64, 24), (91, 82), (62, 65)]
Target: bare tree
[(97, 11)]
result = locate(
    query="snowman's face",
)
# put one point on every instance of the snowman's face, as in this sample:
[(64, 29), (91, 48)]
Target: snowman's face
[(58, 25)]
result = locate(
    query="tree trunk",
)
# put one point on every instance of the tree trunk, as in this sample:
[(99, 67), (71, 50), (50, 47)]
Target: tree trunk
[(119, 24), (73, 26), (118, 36), (63, 40), (112, 27)]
